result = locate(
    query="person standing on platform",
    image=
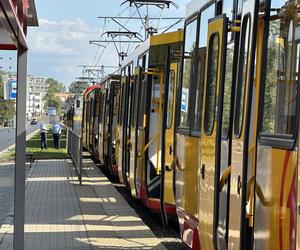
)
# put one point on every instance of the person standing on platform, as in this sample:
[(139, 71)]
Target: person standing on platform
[(43, 131), (56, 135)]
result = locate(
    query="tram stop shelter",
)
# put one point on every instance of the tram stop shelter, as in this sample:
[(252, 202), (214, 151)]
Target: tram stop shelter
[(15, 17)]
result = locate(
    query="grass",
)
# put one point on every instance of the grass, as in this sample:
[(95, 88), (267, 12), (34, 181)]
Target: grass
[(34, 146)]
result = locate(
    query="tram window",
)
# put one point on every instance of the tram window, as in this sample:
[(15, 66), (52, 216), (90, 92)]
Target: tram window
[(187, 78), (129, 100), (242, 74), (280, 96), (196, 127), (170, 99), (77, 104), (122, 106), (87, 111), (212, 75), (107, 108), (199, 89), (227, 8), (227, 91), (134, 101)]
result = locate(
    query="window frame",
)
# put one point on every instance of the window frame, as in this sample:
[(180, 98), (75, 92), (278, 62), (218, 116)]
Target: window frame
[(208, 79), (169, 126), (179, 129), (275, 140), (237, 130), (195, 133)]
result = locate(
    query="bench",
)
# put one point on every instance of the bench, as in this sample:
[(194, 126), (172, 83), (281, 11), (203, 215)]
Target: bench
[(30, 158)]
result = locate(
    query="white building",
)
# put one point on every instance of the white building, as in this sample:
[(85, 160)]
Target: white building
[(37, 88)]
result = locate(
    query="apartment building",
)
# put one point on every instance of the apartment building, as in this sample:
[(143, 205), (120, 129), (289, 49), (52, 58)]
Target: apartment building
[(37, 88)]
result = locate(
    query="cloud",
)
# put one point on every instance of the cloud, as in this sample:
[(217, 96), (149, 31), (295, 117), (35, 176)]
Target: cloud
[(56, 48), (60, 37)]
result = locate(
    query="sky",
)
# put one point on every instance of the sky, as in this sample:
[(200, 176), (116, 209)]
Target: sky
[(61, 42)]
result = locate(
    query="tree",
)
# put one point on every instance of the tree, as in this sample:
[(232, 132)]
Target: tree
[(55, 85), (78, 87), (50, 99), (7, 107)]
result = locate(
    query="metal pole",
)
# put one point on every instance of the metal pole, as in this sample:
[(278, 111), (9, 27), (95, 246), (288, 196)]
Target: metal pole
[(19, 204)]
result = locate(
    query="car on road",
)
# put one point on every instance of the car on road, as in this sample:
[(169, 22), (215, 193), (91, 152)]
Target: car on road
[(7, 124), (34, 121)]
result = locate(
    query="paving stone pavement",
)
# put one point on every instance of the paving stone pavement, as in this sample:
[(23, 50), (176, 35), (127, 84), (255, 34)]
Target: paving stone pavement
[(60, 214)]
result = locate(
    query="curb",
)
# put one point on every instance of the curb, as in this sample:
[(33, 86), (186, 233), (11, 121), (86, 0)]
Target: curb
[(28, 137)]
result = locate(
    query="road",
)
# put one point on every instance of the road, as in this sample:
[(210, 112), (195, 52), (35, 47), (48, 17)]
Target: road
[(7, 135)]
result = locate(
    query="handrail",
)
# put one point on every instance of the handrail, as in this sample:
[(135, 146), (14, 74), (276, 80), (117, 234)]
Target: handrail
[(148, 145), (74, 149), (176, 163), (224, 177)]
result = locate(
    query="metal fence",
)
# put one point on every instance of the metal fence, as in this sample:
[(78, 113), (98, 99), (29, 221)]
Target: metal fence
[(74, 148)]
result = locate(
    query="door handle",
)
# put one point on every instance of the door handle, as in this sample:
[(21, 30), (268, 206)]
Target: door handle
[(203, 171), (239, 185), (129, 146), (170, 150)]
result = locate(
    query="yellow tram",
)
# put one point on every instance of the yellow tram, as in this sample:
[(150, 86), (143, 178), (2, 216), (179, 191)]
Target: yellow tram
[(204, 123), (237, 137), (145, 130)]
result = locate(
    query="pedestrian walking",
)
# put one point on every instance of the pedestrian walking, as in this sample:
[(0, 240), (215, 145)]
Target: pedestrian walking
[(56, 135), (43, 131)]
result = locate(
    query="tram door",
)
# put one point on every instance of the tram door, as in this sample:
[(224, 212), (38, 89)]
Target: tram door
[(133, 127), (169, 135), (96, 123), (120, 131), (91, 122), (127, 131), (102, 134), (112, 128), (243, 149), (143, 100), (106, 125), (211, 135), (277, 157), (152, 149), (298, 194)]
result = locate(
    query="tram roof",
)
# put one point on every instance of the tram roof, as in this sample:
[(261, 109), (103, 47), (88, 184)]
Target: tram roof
[(140, 49), (194, 6), (91, 88), (156, 40)]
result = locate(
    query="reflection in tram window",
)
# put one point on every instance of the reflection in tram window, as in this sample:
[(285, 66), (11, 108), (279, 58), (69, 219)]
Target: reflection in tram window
[(205, 16), (281, 78), (227, 91), (241, 84), (170, 99), (211, 83), (189, 56), (199, 91)]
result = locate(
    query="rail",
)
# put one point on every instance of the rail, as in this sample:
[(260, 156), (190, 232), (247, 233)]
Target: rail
[(74, 149)]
